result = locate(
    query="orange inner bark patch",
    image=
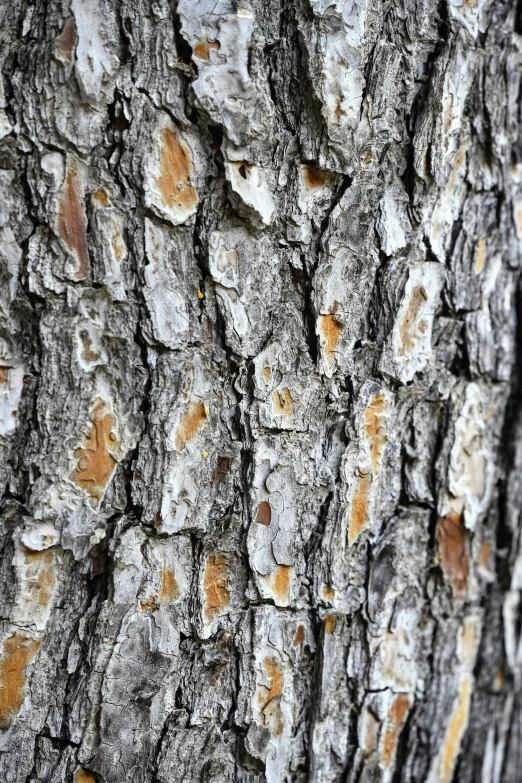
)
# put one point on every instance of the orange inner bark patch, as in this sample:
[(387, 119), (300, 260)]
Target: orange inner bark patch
[(96, 463), (3, 375), (455, 731), (169, 587), (314, 178), (264, 513), (270, 699), (101, 196), (282, 581), (267, 374), (82, 776), (175, 167), (283, 403), (409, 328), (396, 717), (374, 426), (485, 552), (299, 636), (118, 246), (330, 622), (194, 419), (40, 576), (215, 586), (328, 593), (88, 355), (454, 550), (481, 255), (331, 329), (72, 224), (18, 653), (202, 49), (66, 40), (359, 516)]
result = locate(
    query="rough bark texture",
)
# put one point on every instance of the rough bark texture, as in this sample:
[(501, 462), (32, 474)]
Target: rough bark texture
[(259, 391)]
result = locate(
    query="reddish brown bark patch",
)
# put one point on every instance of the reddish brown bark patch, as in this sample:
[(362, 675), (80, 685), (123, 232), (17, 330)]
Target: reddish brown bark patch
[(453, 541), (215, 586), (264, 513), (396, 717), (330, 622), (202, 49), (66, 41), (175, 169), (328, 593), (314, 178), (194, 419), (72, 223), (299, 636), (96, 462), (331, 329), (19, 652)]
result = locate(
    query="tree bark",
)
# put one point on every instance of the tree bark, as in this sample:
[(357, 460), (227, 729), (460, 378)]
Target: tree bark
[(260, 391)]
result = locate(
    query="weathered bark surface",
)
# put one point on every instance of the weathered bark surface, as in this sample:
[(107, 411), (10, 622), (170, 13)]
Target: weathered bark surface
[(259, 391)]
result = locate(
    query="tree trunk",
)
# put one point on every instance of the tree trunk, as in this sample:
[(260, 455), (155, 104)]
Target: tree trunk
[(260, 391)]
